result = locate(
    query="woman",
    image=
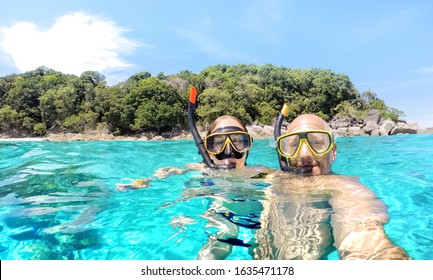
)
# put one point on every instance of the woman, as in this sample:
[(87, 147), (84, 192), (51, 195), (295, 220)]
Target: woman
[(226, 147), (227, 144)]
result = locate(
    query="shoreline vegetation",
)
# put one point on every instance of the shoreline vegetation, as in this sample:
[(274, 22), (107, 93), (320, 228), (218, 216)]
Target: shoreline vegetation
[(45, 104)]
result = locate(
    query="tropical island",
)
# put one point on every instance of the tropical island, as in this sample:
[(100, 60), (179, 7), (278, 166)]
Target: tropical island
[(56, 106)]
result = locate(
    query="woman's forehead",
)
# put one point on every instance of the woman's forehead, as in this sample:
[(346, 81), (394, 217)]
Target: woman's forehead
[(229, 122)]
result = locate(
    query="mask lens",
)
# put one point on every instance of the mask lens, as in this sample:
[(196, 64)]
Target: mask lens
[(319, 141), (215, 143), (241, 142), (289, 145)]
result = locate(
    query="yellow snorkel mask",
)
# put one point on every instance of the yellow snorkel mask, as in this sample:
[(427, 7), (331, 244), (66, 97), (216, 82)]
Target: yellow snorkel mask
[(216, 143), (230, 140), (320, 142)]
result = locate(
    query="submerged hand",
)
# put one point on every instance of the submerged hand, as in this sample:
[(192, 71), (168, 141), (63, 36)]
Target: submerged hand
[(136, 184), (163, 173)]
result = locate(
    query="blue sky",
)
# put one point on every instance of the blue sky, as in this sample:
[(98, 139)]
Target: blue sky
[(383, 46)]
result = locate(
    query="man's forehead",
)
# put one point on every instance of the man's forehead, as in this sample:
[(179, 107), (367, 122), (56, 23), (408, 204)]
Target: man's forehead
[(307, 122), (306, 126)]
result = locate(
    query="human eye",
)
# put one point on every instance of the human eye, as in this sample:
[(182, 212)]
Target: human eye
[(293, 144), (218, 141), (318, 141), (236, 139)]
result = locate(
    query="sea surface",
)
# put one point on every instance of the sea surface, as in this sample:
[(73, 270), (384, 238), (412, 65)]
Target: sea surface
[(58, 200)]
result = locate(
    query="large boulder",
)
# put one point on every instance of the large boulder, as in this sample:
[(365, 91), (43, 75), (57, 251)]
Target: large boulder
[(342, 131), (268, 131), (373, 115), (370, 126), (405, 128), (265, 131), (354, 131), (336, 123), (386, 127)]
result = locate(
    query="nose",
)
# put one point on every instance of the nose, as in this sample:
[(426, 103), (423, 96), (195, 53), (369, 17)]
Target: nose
[(304, 151), (228, 150)]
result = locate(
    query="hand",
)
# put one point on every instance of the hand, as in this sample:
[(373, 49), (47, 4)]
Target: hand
[(135, 184)]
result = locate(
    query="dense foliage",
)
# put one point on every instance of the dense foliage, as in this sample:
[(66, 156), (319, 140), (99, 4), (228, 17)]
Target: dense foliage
[(44, 100)]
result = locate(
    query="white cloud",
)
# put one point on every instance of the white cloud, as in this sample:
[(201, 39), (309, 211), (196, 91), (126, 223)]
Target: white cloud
[(425, 70), (77, 42)]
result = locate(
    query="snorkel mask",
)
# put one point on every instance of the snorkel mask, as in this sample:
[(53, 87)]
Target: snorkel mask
[(228, 142), (319, 142), (283, 160), (214, 138)]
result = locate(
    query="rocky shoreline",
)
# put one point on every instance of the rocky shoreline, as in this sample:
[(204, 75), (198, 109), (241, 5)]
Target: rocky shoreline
[(374, 125), (371, 125)]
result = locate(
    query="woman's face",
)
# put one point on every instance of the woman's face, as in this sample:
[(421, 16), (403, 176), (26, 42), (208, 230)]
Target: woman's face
[(229, 155)]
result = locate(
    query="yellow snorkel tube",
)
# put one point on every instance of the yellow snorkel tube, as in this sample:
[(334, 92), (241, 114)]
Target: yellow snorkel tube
[(198, 141), (283, 161)]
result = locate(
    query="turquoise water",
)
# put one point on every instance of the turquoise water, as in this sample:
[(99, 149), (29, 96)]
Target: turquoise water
[(58, 199)]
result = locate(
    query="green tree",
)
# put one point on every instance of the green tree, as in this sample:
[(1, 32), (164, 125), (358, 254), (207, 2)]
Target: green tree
[(160, 116), (159, 94), (9, 119), (43, 99)]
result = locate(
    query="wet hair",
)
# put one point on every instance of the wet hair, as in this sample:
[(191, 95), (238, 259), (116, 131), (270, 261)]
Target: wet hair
[(216, 122)]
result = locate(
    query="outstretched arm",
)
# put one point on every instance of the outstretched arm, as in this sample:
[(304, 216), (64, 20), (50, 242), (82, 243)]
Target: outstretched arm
[(358, 224), (160, 173)]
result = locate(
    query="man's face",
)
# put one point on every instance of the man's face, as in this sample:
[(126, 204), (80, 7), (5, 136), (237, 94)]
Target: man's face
[(305, 157)]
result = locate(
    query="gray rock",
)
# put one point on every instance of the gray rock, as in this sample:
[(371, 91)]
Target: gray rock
[(256, 123), (255, 128), (340, 122), (375, 132), (354, 131), (343, 131), (269, 131), (400, 119), (370, 126), (158, 138), (373, 115), (405, 128), (353, 122), (386, 127)]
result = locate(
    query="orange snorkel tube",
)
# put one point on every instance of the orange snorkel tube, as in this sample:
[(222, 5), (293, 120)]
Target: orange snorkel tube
[(198, 141)]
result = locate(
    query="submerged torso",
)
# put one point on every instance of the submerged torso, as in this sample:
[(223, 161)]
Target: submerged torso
[(295, 223)]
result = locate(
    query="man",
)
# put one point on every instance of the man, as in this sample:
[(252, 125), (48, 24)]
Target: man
[(307, 217)]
